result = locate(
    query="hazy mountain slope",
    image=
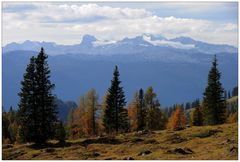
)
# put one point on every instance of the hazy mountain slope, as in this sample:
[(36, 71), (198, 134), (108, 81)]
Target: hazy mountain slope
[(64, 108), (175, 79)]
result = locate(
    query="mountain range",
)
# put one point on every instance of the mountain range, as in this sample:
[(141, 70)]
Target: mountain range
[(145, 43), (176, 68)]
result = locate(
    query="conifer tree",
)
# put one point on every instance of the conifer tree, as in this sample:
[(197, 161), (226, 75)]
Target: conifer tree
[(5, 125), (124, 120), (235, 91), (134, 113), (91, 108), (103, 106), (229, 94), (187, 106), (170, 111), (154, 118), (60, 132), (115, 115), (178, 119), (79, 123), (37, 110), (47, 113), (197, 118), (214, 104), (142, 110), (27, 107), (13, 125)]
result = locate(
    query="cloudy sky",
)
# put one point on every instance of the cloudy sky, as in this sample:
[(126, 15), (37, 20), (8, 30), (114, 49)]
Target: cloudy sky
[(66, 23)]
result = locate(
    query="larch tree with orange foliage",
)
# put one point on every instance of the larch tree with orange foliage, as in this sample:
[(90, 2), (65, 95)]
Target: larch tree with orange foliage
[(137, 112), (178, 119), (91, 109), (80, 113), (133, 113), (84, 117)]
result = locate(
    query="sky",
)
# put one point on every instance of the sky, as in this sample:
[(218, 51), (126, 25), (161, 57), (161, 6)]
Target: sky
[(66, 23)]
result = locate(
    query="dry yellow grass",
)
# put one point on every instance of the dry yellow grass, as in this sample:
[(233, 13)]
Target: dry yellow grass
[(207, 142)]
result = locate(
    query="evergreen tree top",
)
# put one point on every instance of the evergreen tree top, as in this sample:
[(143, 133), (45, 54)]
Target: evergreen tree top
[(116, 73), (214, 61)]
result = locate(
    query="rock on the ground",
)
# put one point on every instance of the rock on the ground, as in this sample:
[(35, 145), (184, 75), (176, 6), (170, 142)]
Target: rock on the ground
[(175, 138), (233, 150), (142, 132), (95, 154), (231, 141), (182, 151), (35, 155), (50, 150), (128, 158), (142, 153)]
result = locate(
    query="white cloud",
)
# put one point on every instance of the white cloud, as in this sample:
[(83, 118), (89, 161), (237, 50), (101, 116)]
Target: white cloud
[(67, 23), (194, 6)]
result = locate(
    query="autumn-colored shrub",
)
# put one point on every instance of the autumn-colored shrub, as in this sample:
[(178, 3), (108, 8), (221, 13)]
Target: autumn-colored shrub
[(177, 120), (233, 118), (133, 117), (6, 141)]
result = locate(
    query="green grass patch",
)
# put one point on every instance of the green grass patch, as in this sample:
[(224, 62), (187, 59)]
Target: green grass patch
[(206, 133)]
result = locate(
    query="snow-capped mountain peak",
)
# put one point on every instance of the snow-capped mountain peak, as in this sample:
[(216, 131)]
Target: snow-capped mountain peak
[(165, 42)]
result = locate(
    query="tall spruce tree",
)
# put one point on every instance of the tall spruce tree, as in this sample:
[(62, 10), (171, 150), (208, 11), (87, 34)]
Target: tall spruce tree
[(46, 108), (37, 111), (214, 103), (27, 106), (115, 115)]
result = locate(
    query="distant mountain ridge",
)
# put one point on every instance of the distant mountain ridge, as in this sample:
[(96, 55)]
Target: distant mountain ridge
[(176, 68), (140, 44)]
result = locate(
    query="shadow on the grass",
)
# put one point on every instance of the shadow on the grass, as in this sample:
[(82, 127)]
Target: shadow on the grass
[(85, 143), (50, 145), (101, 140)]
